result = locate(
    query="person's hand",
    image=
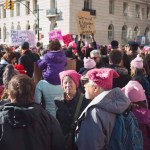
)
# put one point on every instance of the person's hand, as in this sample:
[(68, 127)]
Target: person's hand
[(92, 36), (80, 36)]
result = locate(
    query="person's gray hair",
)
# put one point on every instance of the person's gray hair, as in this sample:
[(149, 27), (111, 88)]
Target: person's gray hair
[(95, 52), (8, 74), (94, 84)]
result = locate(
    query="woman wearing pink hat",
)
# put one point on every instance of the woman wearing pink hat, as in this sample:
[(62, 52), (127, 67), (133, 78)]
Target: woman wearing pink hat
[(138, 74), (68, 106), (135, 92)]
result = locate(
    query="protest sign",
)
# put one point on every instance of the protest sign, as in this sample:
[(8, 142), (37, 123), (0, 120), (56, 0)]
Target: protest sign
[(85, 23), (18, 37), (67, 39), (55, 34)]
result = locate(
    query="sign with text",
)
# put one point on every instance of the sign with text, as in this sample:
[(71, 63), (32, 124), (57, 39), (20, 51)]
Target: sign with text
[(67, 39), (85, 23), (55, 34), (18, 37)]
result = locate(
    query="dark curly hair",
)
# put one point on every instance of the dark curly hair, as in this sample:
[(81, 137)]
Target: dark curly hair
[(21, 89)]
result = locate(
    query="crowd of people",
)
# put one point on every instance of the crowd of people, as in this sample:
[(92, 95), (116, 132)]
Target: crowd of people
[(78, 108)]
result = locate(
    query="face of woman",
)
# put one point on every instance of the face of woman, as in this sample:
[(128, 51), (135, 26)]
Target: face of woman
[(68, 85)]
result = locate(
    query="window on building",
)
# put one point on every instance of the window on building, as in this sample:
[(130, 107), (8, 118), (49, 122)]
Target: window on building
[(124, 34), (148, 12), (125, 9), (4, 13), (87, 4), (11, 13), (4, 33), (18, 27), (18, 9), (143, 13), (137, 10), (12, 26), (27, 27), (35, 6), (136, 30), (111, 6), (27, 8), (111, 32), (0, 33)]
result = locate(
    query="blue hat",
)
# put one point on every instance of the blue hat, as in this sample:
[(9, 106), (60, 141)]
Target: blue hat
[(133, 45), (25, 46)]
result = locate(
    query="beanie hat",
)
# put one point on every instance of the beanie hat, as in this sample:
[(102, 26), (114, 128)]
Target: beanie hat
[(20, 68), (89, 63), (72, 74), (134, 91), (25, 46), (146, 48), (72, 44), (137, 62), (103, 77), (133, 46), (114, 44)]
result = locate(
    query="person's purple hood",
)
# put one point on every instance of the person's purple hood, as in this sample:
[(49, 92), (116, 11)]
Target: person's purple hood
[(51, 65)]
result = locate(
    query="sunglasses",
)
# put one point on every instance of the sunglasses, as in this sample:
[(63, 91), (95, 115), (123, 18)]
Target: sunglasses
[(93, 58)]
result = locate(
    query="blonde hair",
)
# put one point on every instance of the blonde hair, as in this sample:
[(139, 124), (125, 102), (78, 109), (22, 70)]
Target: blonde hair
[(135, 71)]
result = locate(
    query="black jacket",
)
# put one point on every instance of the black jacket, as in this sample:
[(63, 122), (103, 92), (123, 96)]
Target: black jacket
[(124, 77), (29, 128), (65, 111), (27, 60)]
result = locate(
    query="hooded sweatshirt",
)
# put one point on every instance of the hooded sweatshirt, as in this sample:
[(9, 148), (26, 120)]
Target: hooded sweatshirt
[(98, 119), (28, 128)]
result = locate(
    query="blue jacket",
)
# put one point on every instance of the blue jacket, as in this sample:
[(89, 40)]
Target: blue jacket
[(48, 92), (51, 65)]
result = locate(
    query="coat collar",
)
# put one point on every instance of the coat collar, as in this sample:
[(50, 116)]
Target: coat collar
[(95, 101)]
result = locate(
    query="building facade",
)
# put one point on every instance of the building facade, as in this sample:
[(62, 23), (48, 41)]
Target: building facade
[(121, 20)]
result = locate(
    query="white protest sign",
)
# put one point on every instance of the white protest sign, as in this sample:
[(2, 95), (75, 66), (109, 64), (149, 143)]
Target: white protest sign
[(143, 40), (18, 37)]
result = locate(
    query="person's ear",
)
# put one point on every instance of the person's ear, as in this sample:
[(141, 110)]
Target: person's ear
[(96, 89), (110, 61)]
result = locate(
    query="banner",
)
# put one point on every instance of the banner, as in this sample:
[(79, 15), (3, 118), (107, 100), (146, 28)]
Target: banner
[(67, 39), (55, 34), (85, 23), (18, 37)]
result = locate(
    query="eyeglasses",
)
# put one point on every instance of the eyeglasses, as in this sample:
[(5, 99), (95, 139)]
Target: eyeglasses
[(93, 58), (83, 82)]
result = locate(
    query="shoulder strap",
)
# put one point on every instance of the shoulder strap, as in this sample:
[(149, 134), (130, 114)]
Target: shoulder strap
[(78, 108)]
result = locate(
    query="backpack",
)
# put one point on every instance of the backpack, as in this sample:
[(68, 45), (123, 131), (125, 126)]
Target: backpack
[(143, 116), (126, 134)]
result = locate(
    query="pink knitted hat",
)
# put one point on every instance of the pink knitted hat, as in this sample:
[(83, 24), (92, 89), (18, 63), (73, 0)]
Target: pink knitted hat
[(103, 77), (72, 74), (134, 91), (89, 63), (137, 62), (72, 44)]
